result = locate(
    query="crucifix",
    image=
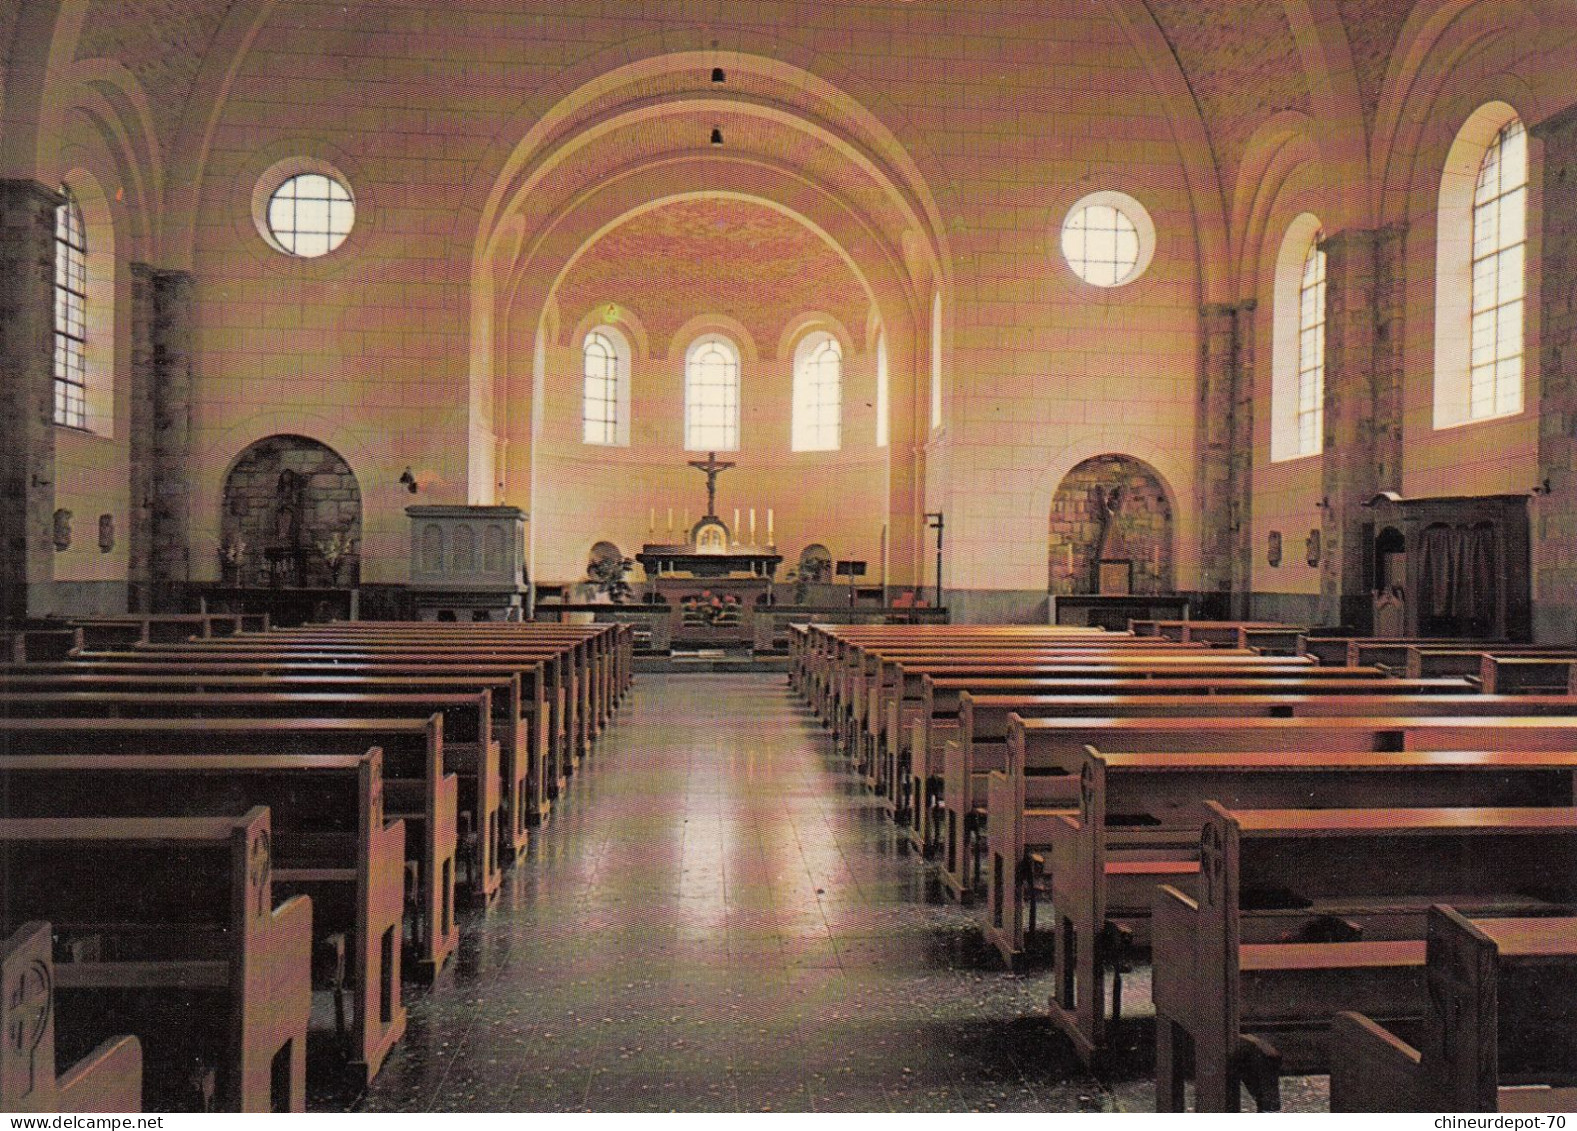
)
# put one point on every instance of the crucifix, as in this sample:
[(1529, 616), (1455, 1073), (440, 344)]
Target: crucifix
[(711, 466)]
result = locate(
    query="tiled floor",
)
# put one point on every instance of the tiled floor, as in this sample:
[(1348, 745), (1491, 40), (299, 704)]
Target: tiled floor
[(717, 919)]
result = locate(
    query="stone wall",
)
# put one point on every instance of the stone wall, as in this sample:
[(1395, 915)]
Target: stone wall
[(1140, 533), (252, 514)]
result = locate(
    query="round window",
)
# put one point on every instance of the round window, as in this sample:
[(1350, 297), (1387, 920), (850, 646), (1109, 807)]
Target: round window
[(1108, 239), (310, 214)]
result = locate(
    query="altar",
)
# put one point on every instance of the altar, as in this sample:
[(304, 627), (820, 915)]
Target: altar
[(711, 583)]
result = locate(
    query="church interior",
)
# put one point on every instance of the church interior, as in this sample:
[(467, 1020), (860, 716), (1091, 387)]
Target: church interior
[(689, 555)]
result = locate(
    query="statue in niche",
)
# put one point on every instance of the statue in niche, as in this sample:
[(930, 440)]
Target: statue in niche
[(286, 553), (290, 496), (62, 529), (1105, 505)]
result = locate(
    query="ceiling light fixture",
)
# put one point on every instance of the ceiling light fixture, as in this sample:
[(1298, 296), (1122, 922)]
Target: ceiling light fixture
[(717, 135)]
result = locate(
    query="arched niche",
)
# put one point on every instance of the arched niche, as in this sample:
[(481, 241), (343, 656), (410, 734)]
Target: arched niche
[(291, 516), (1113, 509)]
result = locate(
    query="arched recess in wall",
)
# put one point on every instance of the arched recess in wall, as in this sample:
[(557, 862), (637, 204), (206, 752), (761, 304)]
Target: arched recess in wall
[(1111, 529), (291, 516), (618, 144)]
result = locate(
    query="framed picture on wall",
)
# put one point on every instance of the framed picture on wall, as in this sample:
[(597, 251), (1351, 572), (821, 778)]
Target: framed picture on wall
[(1116, 577)]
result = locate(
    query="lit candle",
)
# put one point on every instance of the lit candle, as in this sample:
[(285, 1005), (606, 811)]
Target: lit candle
[(736, 526), (670, 522), (651, 522), (752, 526), (769, 527)]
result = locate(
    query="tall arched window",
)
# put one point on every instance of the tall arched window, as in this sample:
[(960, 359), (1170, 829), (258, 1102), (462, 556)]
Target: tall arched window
[(711, 395), (1500, 229), (1297, 399), (605, 394), (881, 390), (1311, 351), (71, 313), (818, 394), (1481, 269)]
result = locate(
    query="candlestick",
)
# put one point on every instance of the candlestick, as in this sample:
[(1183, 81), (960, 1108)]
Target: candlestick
[(651, 523), (686, 528), (670, 524), (736, 526), (752, 526), (770, 541)]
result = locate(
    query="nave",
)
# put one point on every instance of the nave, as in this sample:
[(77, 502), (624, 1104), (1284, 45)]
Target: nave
[(719, 919)]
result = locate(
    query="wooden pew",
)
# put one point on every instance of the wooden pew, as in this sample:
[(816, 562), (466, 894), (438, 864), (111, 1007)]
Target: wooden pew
[(594, 651), (518, 725), (470, 751), (22, 645), (1052, 750), (535, 732), (548, 664), (973, 713), (1242, 975), (107, 1079), (1500, 1006), (885, 684), (229, 989), (1522, 675), (893, 758), (417, 787), (1138, 823), (330, 842), (1445, 658), (1268, 637)]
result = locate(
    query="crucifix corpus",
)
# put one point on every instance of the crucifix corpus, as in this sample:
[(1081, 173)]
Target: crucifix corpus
[(710, 466)]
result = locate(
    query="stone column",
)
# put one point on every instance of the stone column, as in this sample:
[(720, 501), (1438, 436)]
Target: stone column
[(1363, 409), (162, 348), (174, 323), (1226, 415), (27, 397), (1554, 514)]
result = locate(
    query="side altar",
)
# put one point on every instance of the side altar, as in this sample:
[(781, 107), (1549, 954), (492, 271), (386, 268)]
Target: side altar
[(710, 582)]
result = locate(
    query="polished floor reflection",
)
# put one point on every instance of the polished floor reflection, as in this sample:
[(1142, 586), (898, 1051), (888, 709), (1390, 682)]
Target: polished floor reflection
[(718, 919)]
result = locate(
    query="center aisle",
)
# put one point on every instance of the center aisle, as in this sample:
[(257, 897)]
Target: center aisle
[(716, 919)]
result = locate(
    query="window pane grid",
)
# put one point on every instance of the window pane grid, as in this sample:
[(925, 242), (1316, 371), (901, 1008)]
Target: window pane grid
[(1311, 351), (711, 398), (818, 398), (600, 400), (71, 303), (311, 214), (1101, 244), (1499, 276)]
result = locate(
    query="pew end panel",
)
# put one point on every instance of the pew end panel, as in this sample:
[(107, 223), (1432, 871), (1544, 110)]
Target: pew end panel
[(107, 1079), (1372, 1069)]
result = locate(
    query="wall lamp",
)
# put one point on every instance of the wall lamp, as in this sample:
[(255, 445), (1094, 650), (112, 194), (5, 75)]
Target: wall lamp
[(408, 481)]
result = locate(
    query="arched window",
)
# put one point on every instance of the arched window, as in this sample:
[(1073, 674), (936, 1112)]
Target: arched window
[(71, 314), (711, 395), (1481, 270), (605, 397), (1500, 231), (818, 394), (1297, 408), (881, 390)]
